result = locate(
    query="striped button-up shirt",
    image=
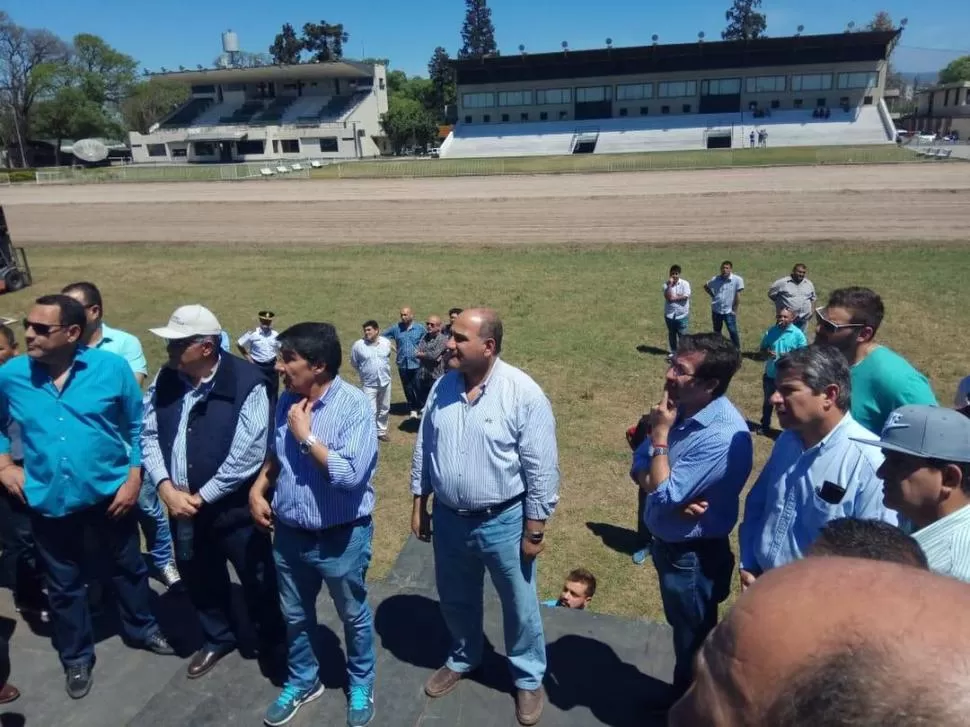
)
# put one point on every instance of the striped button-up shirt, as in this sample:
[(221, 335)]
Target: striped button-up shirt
[(946, 544), (472, 455), (406, 340), (311, 497), (246, 454)]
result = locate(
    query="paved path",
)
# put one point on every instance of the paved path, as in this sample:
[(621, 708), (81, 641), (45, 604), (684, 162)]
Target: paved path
[(601, 669)]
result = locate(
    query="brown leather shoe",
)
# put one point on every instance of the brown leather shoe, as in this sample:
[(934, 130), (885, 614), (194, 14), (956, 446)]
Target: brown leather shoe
[(528, 705), (8, 693), (441, 682), (204, 660)]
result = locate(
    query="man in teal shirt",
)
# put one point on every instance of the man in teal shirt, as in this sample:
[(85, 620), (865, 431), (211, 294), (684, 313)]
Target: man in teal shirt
[(882, 380), (98, 334), (80, 413), (778, 340)]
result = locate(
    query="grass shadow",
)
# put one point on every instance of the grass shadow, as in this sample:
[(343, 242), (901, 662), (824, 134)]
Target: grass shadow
[(652, 350), (622, 540)]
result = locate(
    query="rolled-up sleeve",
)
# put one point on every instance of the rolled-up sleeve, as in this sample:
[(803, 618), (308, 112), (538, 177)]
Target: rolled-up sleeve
[(248, 450), (420, 484), (641, 459), (697, 469), (351, 462), (539, 456), (131, 398)]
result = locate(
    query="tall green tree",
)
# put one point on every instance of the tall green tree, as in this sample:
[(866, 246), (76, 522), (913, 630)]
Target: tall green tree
[(287, 46), (477, 31), (71, 114), (882, 21), (324, 41), (408, 122), (744, 22), (442, 76), (958, 70), (151, 100), (105, 74)]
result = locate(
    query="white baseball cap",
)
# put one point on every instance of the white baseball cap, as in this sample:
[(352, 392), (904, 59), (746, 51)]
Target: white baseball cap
[(189, 321)]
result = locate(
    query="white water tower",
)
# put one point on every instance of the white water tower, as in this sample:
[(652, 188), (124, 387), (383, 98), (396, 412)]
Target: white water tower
[(230, 46)]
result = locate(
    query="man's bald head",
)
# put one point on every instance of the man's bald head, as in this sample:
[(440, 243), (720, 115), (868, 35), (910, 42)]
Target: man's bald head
[(836, 641), (488, 323), (476, 340)]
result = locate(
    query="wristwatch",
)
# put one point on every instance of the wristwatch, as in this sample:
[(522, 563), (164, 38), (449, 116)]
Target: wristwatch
[(307, 444), (661, 451), (535, 536)]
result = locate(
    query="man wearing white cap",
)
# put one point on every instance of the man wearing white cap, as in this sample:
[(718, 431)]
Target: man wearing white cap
[(204, 439), (926, 478)]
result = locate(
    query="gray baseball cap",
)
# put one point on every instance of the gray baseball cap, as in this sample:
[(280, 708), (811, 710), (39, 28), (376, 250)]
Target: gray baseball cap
[(928, 432)]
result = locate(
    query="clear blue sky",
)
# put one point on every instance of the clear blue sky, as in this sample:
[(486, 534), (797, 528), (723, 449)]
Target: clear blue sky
[(187, 32)]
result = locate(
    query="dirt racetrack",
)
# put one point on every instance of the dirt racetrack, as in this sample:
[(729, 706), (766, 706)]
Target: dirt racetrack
[(867, 203)]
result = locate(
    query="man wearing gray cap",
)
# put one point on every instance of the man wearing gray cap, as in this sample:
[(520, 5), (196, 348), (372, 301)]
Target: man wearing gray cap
[(204, 440), (926, 478)]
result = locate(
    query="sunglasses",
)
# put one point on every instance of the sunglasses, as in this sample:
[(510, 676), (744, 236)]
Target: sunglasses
[(829, 327), (41, 329), (182, 343)]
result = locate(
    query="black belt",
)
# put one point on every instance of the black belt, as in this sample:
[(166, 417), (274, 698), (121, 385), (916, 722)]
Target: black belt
[(491, 509)]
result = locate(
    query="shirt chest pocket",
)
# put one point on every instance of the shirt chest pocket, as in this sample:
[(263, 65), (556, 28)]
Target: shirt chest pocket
[(827, 503)]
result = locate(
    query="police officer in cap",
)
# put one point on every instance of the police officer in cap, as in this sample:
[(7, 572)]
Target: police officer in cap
[(259, 346)]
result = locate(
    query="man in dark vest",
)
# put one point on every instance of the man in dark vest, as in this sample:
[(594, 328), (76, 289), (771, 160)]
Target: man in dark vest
[(204, 440)]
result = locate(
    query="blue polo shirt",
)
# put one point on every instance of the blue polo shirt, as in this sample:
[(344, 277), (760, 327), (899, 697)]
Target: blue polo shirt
[(122, 343), (79, 442)]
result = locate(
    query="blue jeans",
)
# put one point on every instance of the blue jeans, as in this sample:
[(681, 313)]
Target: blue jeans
[(731, 320), (695, 576), (412, 387), (154, 523), (768, 388), (676, 327), (463, 548), (339, 557)]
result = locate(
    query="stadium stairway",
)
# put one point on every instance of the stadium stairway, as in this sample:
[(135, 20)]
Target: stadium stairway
[(601, 669)]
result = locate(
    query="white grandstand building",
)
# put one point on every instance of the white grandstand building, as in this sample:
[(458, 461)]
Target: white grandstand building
[(311, 111), (803, 91)]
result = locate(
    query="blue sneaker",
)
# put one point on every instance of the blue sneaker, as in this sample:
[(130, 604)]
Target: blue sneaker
[(640, 557), (289, 702), (360, 705)]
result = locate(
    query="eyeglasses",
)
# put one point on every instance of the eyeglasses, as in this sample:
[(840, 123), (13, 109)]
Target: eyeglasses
[(41, 329), (680, 370), (182, 343), (829, 327)]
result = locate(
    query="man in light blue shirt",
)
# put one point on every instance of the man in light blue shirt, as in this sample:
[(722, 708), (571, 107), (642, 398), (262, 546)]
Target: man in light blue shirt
[(693, 466), (778, 340), (79, 411), (486, 450), (406, 336), (725, 291), (817, 472), (926, 475), (321, 470), (97, 334)]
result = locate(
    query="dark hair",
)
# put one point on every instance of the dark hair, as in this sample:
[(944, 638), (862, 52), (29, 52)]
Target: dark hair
[(819, 365), (88, 291), (721, 358), (864, 305), (727, 262), (72, 312), (581, 575), (455, 311), (799, 265), (318, 343), (941, 464), (868, 539), (7, 332), (675, 269), (491, 327), (371, 324)]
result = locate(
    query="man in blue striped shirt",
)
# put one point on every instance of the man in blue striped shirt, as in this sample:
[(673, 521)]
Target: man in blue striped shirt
[(406, 336), (79, 411), (486, 450), (204, 441), (692, 467), (321, 470)]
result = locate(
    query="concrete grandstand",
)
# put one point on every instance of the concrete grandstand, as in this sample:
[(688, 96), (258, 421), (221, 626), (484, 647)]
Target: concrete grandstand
[(801, 90), (314, 111)]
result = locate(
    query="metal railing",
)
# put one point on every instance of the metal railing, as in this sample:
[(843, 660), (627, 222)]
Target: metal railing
[(176, 172)]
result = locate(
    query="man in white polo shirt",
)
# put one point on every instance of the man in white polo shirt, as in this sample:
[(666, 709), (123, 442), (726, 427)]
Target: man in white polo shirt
[(676, 307), (370, 357), (259, 346), (725, 291)]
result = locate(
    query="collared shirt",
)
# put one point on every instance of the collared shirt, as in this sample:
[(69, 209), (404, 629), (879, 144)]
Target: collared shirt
[(799, 298), (677, 309), (472, 455), (246, 453), (881, 383), (406, 340), (433, 346), (962, 397), (372, 361), (224, 343), (785, 512), (261, 344), (711, 455), (781, 341), (314, 498), (725, 290), (946, 544), (124, 344), (80, 442)]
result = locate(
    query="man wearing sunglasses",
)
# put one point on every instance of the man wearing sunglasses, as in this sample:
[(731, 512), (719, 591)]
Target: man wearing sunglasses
[(79, 411), (882, 380), (431, 355)]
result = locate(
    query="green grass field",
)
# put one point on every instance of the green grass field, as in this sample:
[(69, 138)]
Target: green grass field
[(585, 323)]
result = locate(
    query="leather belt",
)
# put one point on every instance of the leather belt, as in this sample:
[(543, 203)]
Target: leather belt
[(491, 509)]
